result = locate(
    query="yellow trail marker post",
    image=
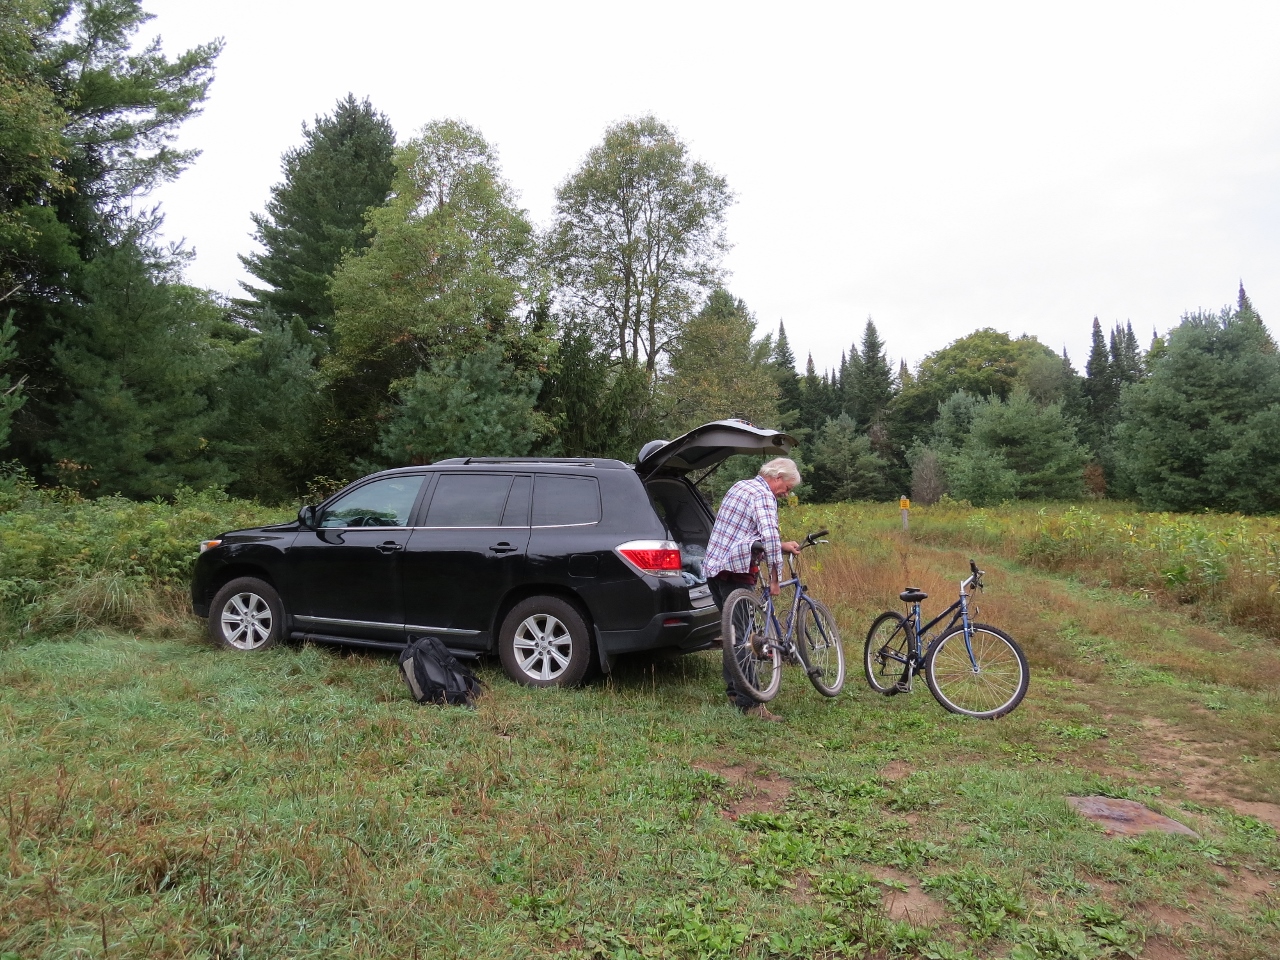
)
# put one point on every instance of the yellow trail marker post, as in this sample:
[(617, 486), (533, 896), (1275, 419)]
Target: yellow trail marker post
[(905, 505)]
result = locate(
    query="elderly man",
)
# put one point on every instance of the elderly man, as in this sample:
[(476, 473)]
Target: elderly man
[(749, 512)]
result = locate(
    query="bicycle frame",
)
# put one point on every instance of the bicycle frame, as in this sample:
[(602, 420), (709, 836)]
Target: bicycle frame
[(800, 593), (799, 631), (958, 611)]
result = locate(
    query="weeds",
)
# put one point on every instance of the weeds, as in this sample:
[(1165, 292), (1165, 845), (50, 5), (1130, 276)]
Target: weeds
[(160, 799)]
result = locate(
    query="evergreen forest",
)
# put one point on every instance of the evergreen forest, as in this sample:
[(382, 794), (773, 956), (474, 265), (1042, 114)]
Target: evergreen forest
[(403, 308)]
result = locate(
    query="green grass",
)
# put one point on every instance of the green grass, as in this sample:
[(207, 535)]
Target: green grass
[(161, 798)]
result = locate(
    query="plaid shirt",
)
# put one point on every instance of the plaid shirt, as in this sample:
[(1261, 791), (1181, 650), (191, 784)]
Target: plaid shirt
[(749, 512)]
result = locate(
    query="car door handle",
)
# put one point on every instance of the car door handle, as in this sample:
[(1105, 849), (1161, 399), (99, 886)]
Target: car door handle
[(503, 547), (389, 546)]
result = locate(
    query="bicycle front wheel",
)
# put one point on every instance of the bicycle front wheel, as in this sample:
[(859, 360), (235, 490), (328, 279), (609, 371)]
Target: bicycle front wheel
[(820, 649), (750, 652), (989, 684), (887, 653)]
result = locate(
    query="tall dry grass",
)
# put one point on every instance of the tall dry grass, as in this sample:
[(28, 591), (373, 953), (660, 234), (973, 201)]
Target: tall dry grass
[(1063, 629)]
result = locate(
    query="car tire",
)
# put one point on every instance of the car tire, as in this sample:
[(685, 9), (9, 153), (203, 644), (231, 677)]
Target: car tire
[(246, 615), (544, 643)]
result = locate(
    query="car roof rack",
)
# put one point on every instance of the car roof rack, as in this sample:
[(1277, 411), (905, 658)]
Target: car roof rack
[(601, 463)]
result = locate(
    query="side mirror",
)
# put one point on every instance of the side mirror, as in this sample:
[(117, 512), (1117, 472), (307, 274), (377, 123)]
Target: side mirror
[(307, 517)]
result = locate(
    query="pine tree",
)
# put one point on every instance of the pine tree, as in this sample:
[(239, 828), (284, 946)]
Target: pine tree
[(1126, 358), (141, 375), (1037, 442), (266, 405), (1096, 369), (1244, 308), (476, 406), (1099, 395), (784, 363), (88, 116), (851, 376), (1200, 430), (844, 466), (874, 389), (316, 214), (814, 400), (598, 405)]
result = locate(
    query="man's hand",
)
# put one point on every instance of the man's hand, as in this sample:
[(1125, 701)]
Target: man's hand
[(790, 546)]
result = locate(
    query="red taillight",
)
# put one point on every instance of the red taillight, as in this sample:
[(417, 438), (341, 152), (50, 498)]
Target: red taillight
[(658, 558)]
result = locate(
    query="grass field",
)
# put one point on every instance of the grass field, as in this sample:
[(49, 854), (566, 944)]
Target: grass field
[(163, 799)]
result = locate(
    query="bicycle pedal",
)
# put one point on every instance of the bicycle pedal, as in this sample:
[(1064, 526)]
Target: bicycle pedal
[(902, 687)]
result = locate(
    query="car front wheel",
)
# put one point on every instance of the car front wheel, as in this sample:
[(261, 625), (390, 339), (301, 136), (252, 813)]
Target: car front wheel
[(544, 643), (246, 615)]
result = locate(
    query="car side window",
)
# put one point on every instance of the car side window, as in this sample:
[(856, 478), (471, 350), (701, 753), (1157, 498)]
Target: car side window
[(517, 512), (382, 503), (469, 500), (564, 501)]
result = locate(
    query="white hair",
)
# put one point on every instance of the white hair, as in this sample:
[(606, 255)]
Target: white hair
[(781, 469)]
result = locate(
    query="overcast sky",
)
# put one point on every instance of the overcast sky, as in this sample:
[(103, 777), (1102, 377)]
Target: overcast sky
[(937, 166)]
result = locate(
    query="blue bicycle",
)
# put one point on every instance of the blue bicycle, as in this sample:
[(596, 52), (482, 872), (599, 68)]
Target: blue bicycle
[(972, 668), (757, 643)]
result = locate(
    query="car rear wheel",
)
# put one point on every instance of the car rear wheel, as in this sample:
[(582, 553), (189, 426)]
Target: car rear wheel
[(246, 615), (544, 643)]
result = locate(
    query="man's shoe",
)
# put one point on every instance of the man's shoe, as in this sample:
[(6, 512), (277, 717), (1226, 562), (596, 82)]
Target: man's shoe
[(760, 712)]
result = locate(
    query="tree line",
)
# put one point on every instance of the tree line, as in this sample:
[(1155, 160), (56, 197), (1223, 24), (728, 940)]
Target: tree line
[(403, 308)]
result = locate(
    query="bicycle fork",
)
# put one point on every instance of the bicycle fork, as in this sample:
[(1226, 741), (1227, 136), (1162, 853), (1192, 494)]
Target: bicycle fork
[(967, 624)]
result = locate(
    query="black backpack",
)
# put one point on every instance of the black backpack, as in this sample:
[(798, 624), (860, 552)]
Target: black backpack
[(434, 675)]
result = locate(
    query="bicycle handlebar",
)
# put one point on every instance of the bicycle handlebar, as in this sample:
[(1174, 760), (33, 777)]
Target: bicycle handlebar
[(812, 538), (975, 580)]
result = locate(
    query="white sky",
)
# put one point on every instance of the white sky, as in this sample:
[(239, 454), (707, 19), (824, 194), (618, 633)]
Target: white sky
[(939, 166)]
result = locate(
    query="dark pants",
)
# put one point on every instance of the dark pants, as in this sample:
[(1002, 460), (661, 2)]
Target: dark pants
[(721, 586)]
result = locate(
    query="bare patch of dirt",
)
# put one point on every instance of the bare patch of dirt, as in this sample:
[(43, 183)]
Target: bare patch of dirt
[(895, 770), (1171, 917), (1158, 948), (803, 890), (752, 793), (911, 904), (1245, 887), (1205, 779)]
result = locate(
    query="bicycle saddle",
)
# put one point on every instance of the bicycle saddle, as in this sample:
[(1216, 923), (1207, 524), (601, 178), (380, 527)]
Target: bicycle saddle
[(913, 595)]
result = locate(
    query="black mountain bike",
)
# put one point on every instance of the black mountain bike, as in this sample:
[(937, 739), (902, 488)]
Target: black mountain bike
[(971, 668)]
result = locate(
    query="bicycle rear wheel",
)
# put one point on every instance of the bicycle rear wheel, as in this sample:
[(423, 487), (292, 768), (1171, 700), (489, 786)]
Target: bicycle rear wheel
[(819, 646), (750, 652), (887, 653), (990, 684)]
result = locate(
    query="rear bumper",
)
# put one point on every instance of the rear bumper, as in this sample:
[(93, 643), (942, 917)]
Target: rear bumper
[(685, 630)]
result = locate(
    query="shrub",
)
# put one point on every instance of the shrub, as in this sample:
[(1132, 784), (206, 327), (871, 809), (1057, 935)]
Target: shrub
[(69, 563)]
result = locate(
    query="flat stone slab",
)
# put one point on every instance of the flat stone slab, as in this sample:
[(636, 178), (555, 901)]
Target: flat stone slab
[(1126, 817)]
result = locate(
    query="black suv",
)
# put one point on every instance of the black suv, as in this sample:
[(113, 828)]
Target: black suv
[(544, 561)]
